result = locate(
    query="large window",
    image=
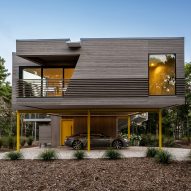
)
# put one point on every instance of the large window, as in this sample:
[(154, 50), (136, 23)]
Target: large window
[(52, 81), (162, 74), (32, 73), (39, 81)]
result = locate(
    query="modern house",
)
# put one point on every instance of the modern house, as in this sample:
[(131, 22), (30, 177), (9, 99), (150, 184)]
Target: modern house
[(87, 86)]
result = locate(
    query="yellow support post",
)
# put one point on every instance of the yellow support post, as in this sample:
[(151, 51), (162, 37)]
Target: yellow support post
[(160, 129), (129, 127), (18, 131), (88, 130)]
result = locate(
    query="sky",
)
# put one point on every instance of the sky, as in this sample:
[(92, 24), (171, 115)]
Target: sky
[(75, 19)]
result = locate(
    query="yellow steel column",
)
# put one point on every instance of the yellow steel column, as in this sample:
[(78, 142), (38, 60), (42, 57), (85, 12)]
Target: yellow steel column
[(129, 127), (160, 129), (88, 131), (18, 131)]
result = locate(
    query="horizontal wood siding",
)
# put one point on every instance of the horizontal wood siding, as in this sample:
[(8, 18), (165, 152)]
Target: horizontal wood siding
[(44, 47), (118, 58), (110, 61), (118, 87), (180, 87)]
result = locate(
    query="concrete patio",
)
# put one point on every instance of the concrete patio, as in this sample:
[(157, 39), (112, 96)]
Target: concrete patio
[(63, 153)]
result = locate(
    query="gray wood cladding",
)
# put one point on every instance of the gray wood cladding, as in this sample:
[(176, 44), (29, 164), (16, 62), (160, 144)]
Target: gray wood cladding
[(43, 47), (180, 87), (105, 59), (118, 87)]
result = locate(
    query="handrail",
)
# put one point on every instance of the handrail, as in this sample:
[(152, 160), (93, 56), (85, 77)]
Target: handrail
[(41, 87), (114, 87)]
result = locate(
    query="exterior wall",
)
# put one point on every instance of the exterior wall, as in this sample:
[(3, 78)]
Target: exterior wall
[(55, 129), (105, 60), (44, 134), (105, 125)]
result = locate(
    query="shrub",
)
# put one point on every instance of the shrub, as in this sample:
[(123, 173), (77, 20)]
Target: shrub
[(189, 155), (48, 155), (149, 140), (4, 141), (14, 155), (11, 142), (79, 154), (135, 139), (23, 141), (151, 152), (29, 141), (168, 142), (186, 140), (1, 142), (113, 154), (163, 157)]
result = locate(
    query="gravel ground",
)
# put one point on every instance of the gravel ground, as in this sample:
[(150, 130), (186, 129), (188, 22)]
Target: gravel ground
[(94, 174)]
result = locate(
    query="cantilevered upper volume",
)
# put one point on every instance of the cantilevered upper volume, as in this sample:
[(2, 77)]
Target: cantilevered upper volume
[(98, 73)]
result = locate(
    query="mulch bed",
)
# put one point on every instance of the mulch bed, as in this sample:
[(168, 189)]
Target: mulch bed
[(98, 174)]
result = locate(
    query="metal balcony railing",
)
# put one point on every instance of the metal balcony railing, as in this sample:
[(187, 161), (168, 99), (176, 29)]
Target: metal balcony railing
[(42, 87), (83, 88)]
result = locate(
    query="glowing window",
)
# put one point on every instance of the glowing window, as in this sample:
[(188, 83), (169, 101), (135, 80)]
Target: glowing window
[(162, 74)]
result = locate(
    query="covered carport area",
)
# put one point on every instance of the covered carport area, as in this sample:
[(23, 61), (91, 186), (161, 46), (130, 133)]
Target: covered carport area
[(89, 114)]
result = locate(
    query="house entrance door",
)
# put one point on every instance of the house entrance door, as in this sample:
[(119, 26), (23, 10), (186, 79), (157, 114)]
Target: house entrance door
[(66, 129)]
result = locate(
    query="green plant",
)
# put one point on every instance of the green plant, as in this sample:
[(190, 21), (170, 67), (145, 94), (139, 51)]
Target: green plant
[(11, 142), (79, 154), (151, 152), (23, 141), (163, 157), (29, 141), (14, 155), (4, 141), (149, 140), (1, 142), (189, 155), (168, 141), (48, 155), (186, 140), (135, 139), (113, 154)]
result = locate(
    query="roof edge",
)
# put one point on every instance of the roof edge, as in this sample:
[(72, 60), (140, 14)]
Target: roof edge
[(135, 38), (61, 39)]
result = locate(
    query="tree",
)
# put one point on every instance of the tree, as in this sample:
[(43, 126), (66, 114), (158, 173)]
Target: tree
[(5, 101), (178, 120), (5, 88)]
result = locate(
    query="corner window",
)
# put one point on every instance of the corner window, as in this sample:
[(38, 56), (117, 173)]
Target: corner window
[(162, 74), (31, 73)]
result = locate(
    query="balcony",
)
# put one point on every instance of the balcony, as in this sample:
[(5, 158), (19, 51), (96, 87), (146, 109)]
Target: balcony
[(42, 88), (124, 87)]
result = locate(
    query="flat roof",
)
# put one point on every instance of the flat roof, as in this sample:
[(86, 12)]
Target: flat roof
[(135, 38), (109, 38)]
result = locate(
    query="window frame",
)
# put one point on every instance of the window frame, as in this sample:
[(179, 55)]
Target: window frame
[(21, 68), (149, 73)]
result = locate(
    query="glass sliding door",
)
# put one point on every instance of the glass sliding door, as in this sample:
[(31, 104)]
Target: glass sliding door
[(31, 84), (68, 72), (52, 82)]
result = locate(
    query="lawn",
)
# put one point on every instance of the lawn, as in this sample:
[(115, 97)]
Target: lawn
[(94, 174)]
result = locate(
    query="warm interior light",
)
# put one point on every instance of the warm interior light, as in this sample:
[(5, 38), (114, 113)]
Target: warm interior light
[(152, 64)]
